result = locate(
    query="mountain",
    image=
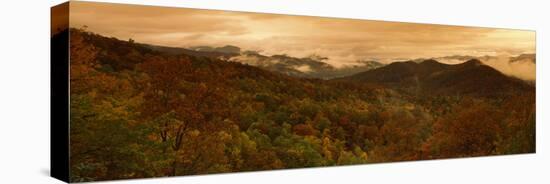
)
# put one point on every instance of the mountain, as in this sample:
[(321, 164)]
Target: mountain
[(292, 66), (307, 67), (228, 49), (213, 53), (462, 58), (456, 59), (524, 58), (435, 78)]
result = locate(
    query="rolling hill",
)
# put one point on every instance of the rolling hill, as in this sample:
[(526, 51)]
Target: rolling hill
[(431, 77)]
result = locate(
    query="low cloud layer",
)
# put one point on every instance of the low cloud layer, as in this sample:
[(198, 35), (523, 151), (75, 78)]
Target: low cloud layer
[(523, 69)]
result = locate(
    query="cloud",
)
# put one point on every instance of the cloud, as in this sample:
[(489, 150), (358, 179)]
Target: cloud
[(253, 60), (303, 68), (523, 69), (343, 41)]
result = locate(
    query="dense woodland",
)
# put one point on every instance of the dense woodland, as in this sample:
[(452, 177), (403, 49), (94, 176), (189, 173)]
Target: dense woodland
[(138, 112)]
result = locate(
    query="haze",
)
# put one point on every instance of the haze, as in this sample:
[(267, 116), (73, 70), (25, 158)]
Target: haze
[(343, 41)]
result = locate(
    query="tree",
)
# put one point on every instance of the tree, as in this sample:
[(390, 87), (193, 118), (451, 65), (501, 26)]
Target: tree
[(473, 131), (178, 102)]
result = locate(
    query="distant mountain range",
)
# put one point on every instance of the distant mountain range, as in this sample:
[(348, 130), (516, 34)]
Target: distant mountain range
[(213, 53), (435, 78), (228, 49), (470, 73), (307, 67), (455, 59)]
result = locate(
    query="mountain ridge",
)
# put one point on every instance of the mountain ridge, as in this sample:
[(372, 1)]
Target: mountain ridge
[(432, 77)]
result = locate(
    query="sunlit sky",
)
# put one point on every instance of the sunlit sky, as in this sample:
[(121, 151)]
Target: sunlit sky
[(343, 41)]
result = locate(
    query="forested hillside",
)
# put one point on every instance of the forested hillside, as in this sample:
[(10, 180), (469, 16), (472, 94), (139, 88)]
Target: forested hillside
[(141, 112), (431, 78)]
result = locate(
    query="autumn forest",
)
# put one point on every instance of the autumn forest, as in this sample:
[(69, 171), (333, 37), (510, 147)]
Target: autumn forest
[(140, 111)]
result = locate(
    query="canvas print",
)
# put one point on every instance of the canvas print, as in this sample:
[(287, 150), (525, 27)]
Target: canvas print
[(161, 91)]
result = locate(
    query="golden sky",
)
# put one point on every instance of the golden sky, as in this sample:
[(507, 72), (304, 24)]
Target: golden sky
[(343, 41)]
